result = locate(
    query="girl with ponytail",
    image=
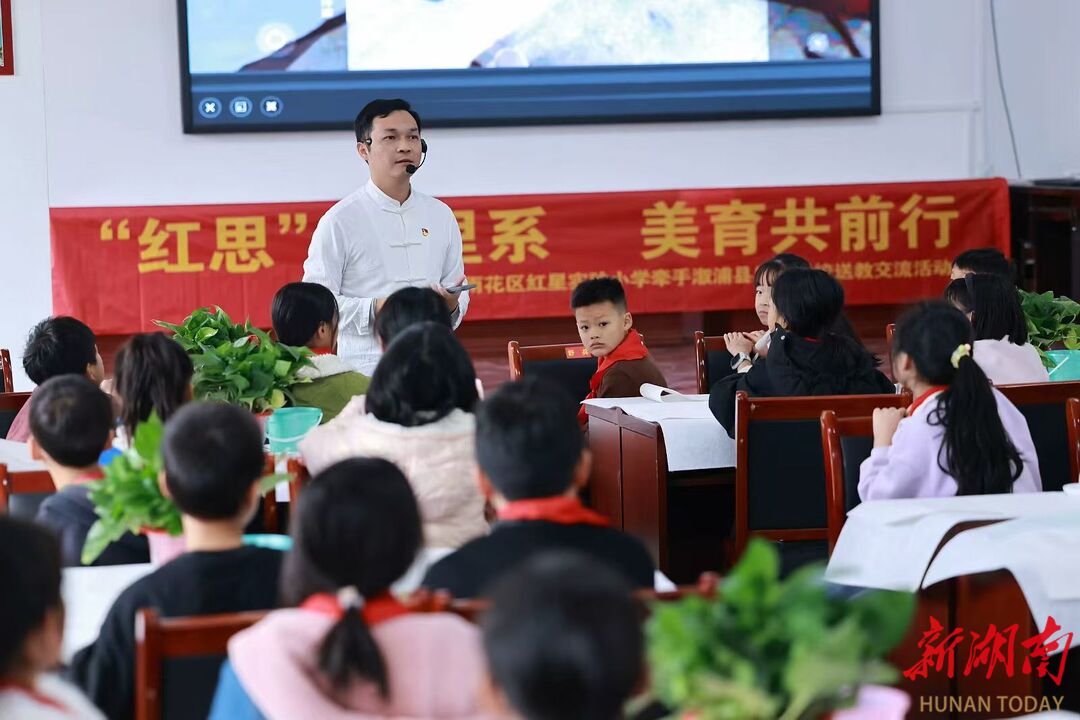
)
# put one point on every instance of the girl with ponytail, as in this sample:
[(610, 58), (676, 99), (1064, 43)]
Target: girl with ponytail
[(347, 648), (960, 436)]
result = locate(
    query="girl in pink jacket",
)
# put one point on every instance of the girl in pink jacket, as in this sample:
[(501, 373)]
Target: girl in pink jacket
[(960, 436)]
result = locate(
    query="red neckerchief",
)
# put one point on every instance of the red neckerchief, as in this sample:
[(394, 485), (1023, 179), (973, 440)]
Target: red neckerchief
[(321, 351), (375, 610), (631, 348), (89, 477), (561, 509), (924, 397), (35, 696)]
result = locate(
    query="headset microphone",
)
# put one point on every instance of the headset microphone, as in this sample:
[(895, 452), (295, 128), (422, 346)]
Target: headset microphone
[(410, 168)]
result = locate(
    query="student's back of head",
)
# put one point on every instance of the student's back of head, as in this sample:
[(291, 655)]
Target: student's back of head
[(808, 301), (990, 261), (528, 441), (423, 376), (993, 305), (71, 420), (563, 639), (153, 374), (213, 456), (932, 344), (409, 306), (31, 609), (356, 531), (300, 310), (62, 346)]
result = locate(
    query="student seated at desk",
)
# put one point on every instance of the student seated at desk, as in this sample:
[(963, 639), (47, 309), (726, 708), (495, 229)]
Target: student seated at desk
[(212, 455), (960, 436), (563, 640), (808, 354), (346, 648), (607, 331), (70, 424), (752, 345), (32, 629), (419, 415), (153, 375), (57, 346), (533, 462), (306, 315), (1001, 348)]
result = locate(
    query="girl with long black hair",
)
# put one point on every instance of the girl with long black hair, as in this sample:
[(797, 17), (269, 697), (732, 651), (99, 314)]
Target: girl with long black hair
[(960, 436)]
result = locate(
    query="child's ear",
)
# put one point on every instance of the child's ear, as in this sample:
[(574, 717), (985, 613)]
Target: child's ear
[(163, 485), (36, 453), (582, 470), (627, 321)]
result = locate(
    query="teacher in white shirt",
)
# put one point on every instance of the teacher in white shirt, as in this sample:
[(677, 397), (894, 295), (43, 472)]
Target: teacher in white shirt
[(385, 235)]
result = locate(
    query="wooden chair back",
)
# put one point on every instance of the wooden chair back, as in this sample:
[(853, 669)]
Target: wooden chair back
[(570, 366), (10, 405), (1043, 406), (1072, 412), (712, 361), (780, 468), (22, 492), (7, 374), (196, 646), (846, 443)]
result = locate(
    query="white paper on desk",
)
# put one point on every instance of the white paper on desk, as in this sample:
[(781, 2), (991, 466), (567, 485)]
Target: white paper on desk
[(970, 507), (16, 455), (1043, 554), (887, 556), (657, 393), (694, 440)]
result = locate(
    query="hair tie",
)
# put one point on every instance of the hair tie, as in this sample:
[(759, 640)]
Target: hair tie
[(349, 598), (962, 350)]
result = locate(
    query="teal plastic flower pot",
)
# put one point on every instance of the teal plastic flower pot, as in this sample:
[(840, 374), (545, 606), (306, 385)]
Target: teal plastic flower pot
[(288, 426), (1066, 365)]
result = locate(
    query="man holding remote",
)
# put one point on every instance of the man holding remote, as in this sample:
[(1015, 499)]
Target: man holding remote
[(385, 235)]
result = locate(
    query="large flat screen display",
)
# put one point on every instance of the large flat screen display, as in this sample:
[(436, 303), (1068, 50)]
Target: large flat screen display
[(249, 65)]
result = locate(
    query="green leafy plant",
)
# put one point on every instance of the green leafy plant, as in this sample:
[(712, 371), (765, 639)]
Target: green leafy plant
[(238, 363), (128, 498), (1051, 321), (766, 648)]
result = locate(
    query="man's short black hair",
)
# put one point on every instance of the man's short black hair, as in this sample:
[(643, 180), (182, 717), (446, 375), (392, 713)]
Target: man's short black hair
[(298, 310), (409, 306), (30, 575), (563, 639), (528, 439), (212, 454), (598, 290), (380, 108), (985, 260), (71, 418), (59, 346)]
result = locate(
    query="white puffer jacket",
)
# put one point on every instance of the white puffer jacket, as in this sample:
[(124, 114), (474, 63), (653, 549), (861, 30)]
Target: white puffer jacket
[(439, 459)]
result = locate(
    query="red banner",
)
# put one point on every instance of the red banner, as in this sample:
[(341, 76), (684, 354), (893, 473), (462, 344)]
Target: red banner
[(118, 269)]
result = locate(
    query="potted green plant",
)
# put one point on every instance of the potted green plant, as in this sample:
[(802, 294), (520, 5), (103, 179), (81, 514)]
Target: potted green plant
[(238, 363), (1053, 330), (129, 499), (764, 649)]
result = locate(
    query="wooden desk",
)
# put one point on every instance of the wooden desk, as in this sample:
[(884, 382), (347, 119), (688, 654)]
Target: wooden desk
[(632, 485)]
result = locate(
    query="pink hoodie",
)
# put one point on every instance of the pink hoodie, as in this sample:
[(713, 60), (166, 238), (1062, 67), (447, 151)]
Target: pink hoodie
[(434, 661)]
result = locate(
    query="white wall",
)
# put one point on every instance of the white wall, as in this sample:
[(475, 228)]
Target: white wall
[(113, 133), (24, 223), (1041, 73)]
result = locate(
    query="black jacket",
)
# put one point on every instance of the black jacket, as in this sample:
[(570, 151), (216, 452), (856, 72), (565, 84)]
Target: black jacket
[(469, 571), (70, 514), (795, 367)]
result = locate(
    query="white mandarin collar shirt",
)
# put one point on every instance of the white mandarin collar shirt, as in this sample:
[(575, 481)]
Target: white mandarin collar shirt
[(367, 246)]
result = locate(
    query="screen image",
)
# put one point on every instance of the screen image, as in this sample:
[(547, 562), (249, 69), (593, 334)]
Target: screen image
[(250, 65)]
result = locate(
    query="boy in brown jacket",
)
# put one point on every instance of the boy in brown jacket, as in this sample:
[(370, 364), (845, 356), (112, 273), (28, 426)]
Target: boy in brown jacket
[(607, 332)]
